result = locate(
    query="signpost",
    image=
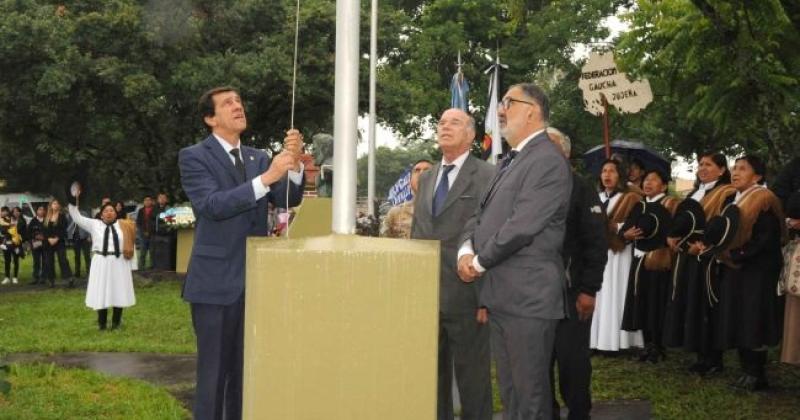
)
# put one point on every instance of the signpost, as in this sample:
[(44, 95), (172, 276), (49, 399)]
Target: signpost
[(603, 84)]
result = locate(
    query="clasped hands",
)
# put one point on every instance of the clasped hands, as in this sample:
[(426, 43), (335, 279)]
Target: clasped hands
[(288, 159), (466, 271)]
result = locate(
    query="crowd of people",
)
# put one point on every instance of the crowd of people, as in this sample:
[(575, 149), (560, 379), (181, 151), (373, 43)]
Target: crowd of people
[(644, 269), (52, 231)]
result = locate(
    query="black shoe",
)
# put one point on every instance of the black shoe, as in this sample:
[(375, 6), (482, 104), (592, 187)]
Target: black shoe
[(71, 282), (656, 355), (750, 383)]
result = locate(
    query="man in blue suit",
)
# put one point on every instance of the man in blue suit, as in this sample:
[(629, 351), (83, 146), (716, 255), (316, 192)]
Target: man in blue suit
[(229, 186)]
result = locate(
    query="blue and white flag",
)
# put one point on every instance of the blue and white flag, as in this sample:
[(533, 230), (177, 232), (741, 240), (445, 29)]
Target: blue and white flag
[(459, 92), (401, 190)]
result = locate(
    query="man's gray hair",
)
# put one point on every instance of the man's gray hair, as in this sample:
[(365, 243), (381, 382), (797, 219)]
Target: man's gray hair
[(561, 139), (537, 94)]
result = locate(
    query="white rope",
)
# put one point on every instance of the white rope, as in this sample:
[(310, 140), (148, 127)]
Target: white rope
[(291, 118)]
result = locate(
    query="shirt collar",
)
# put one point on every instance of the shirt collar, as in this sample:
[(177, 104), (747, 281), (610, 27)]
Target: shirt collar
[(458, 162), (656, 198), (227, 146), (740, 194), (527, 140), (709, 185)]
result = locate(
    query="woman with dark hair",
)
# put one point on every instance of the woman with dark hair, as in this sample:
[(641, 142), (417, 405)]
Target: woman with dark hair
[(649, 281), (119, 206), (37, 239), (749, 313), (694, 287), (617, 201), (55, 233), (636, 173), (110, 280)]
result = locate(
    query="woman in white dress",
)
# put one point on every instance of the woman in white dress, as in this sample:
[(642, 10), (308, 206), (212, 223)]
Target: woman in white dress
[(110, 280), (618, 201)]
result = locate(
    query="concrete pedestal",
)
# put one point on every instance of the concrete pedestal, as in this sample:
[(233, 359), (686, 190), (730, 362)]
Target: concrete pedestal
[(341, 327)]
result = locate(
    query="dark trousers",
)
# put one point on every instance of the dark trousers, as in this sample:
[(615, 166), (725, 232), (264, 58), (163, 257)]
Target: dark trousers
[(464, 348), (162, 252), (523, 349), (82, 246), (573, 356), (220, 359), (11, 256), (50, 254), (753, 361), (144, 249), (38, 262)]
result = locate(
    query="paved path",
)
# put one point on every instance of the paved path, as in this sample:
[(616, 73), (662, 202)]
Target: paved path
[(176, 372)]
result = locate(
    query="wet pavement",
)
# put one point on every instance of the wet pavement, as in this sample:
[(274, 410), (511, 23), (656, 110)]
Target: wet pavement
[(176, 372)]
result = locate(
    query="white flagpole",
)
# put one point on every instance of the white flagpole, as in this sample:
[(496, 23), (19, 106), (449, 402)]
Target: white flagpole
[(345, 117), (497, 139)]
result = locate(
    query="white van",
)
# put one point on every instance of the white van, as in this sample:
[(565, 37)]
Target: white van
[(26, 201)]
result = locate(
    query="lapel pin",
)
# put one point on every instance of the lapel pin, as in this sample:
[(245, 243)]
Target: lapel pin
[(251, 158)]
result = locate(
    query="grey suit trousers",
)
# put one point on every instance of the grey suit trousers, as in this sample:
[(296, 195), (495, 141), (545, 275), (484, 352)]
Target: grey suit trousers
[(464, 346), (522, 349)]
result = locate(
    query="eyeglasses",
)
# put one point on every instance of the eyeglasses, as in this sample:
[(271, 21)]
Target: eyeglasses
[(507, 101)]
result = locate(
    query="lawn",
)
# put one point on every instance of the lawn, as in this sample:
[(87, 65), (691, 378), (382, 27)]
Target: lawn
[(56, 320), (43, 391)]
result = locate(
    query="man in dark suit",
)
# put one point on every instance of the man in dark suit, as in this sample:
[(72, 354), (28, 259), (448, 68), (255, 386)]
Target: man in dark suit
[(585, 257), (447, 198), (229, 185), (515, 247)]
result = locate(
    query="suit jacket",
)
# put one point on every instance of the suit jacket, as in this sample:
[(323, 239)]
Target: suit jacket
[(585, 241), (519, 231), (455, 296), (226, 212)]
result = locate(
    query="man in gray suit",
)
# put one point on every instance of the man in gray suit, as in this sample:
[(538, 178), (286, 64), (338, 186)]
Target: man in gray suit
[(514, 246), (448, 196)]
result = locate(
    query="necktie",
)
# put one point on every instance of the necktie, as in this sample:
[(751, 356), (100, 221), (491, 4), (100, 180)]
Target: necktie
[(110, 229), (237, 162), (508, 159), (441, 190)]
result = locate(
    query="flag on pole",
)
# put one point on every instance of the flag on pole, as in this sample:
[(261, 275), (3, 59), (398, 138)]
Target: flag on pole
[(401, 190), (459, 89), (492, 145)]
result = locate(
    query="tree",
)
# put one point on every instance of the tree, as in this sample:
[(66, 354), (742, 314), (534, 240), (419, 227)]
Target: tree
[(725, 74)]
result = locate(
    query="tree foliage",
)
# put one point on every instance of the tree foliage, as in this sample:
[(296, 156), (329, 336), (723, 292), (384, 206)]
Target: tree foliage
[(725, 74)]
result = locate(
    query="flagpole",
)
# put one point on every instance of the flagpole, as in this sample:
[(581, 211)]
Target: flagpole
[(497, 139), (345, 117), (373, 58)]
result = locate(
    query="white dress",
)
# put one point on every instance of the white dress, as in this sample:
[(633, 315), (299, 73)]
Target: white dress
[(110, 279), (607, 333)]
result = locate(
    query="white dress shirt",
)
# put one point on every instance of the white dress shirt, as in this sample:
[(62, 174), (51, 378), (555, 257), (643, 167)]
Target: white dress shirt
[(702, 189), (451, 177), (259, 188)]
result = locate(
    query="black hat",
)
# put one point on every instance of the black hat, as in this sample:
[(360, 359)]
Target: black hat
[(655, 223), (690, 219), (720, 230), (654, 220), (793, 206)]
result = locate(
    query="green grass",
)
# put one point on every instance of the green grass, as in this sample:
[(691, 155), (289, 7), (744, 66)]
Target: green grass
[(57, 320), (42, 391)]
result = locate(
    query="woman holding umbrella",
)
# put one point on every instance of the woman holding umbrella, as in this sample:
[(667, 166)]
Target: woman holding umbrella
[(618, 201), (694, 282)]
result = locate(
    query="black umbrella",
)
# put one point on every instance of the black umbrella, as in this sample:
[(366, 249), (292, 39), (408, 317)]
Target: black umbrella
[(627, 150)]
